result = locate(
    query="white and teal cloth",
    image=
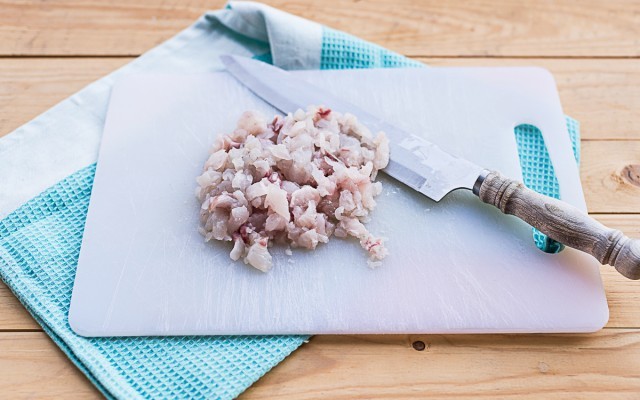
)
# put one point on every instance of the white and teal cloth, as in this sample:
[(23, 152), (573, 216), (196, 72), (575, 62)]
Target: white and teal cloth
[(46, 174)]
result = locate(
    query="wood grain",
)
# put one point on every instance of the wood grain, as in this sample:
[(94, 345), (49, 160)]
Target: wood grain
[(32, 367), (13, 316), (593, 366), (29, 87), (610, 178), (464, 366), (86, 27), (604, 95), (418, 28)]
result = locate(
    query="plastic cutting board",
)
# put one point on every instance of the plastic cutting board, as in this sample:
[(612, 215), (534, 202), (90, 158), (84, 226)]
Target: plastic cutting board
[(454, 266)]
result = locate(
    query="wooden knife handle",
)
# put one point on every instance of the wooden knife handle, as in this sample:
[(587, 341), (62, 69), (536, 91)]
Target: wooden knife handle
[(561, 222)]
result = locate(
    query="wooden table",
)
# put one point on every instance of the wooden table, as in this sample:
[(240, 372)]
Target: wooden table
[(49, 50)]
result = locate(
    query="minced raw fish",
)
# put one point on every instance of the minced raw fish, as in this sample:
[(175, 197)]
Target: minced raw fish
[(295, 180)]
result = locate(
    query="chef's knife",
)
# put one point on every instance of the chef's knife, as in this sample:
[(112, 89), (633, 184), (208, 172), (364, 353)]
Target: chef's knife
[(433, 172)]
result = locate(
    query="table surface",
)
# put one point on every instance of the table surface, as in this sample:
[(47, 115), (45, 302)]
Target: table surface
[(49, 50)]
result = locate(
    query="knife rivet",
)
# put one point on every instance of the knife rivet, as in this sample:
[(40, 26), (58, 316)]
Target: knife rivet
[(419, 345)]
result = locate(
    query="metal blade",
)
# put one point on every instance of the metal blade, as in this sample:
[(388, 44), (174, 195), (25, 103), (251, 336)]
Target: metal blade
[(414, 161)]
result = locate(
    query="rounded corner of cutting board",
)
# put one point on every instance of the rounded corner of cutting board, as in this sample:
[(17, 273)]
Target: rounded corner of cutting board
[(76, 323), (598, 319), (604, 318)]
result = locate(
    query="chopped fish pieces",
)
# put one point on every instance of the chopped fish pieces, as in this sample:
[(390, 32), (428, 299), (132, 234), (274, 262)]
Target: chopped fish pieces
[(296, 180)]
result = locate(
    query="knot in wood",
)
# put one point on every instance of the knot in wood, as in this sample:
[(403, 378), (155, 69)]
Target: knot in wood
[(631, 174)]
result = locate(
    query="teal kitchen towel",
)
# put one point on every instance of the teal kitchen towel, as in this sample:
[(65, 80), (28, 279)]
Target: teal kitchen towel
[(39, 247), (41, 229)]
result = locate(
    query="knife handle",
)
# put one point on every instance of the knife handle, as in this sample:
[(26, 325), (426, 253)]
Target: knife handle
[(561, 222)]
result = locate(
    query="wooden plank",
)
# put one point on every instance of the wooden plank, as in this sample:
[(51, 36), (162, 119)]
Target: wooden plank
[(29, 87), (622, 294), (591, 366), (459, 367), (504, 28), (13, 316), (93, 27), (602, 94), (610, 173), (32, 367), (418, 28)]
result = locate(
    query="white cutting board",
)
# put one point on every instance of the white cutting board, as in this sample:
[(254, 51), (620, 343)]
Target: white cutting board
[(455, 266)]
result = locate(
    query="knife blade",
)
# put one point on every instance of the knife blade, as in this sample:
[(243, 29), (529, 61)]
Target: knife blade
[(427, 168), (413, 158)]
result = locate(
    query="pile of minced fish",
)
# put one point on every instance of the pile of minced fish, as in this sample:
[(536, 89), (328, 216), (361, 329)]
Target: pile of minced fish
[(295, 180)]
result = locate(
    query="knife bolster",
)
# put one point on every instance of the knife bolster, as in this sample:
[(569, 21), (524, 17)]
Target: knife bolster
[(479, 181)]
